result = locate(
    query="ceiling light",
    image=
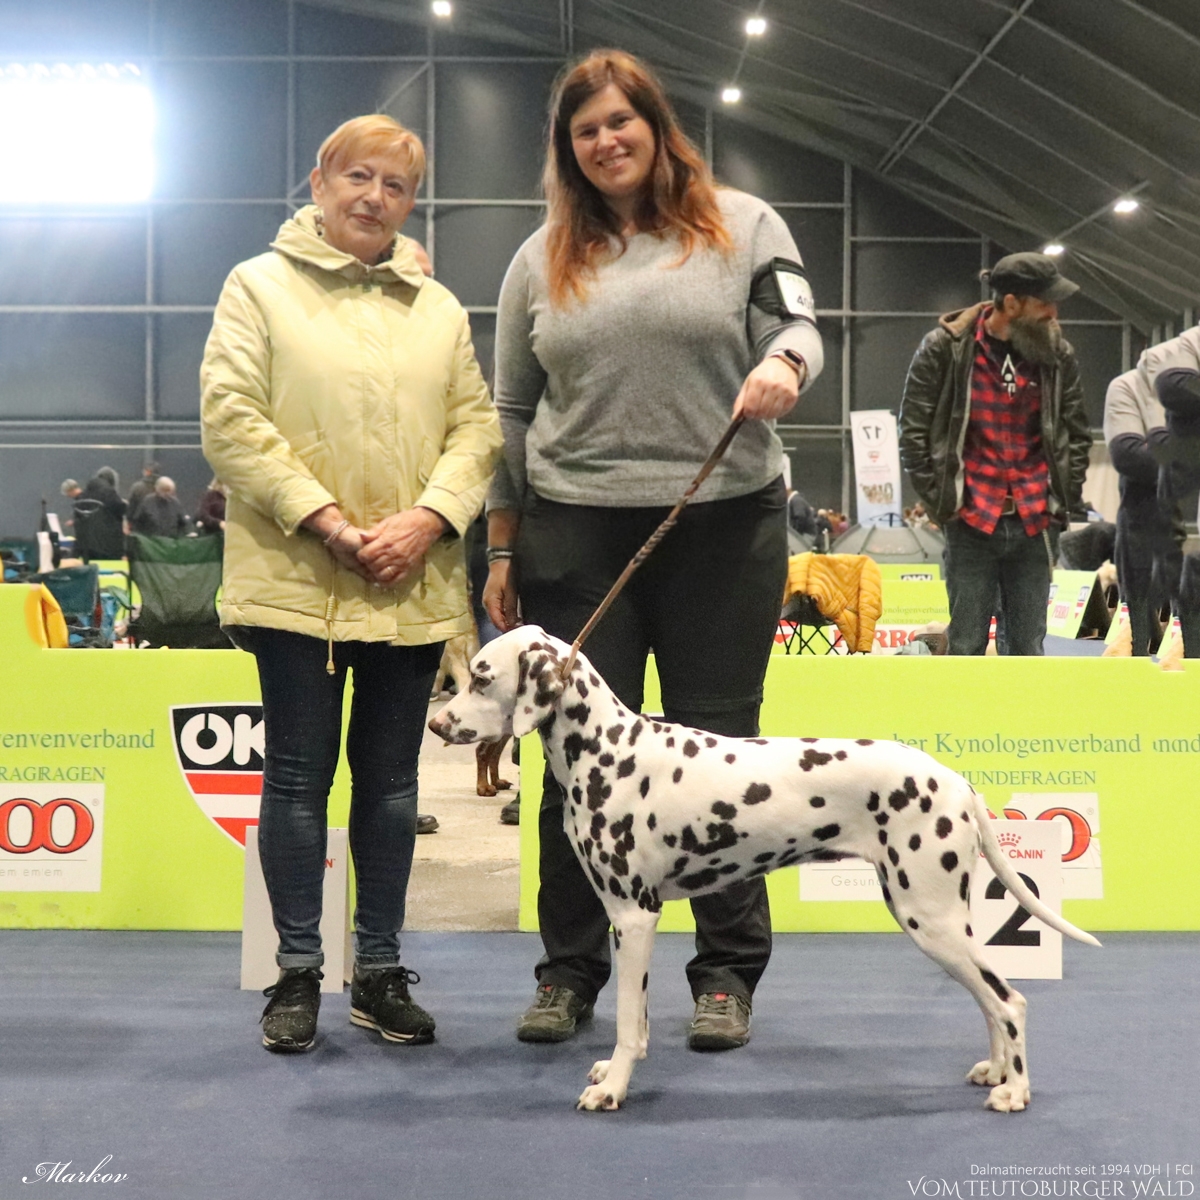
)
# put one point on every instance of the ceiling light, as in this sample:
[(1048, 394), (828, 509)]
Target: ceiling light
[(441, 8), (1126, 205), (731, 95), (756, 26), (1054, 249)]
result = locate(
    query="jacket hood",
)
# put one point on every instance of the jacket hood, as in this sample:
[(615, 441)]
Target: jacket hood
[(299, 239), (964, 320)]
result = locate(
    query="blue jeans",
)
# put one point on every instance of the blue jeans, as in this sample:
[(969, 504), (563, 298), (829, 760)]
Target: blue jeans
[(302, 718), (1007, 565)]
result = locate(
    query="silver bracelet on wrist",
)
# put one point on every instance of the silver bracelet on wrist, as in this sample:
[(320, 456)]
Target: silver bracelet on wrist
[(333, 537), (498, 553)]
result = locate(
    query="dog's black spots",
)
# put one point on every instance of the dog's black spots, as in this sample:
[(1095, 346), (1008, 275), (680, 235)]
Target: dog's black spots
[(731, 868), (765, 856), (670, 743), (579, 713), (712, 862), (914, 842), (887, 896), (949, 860), (944, 827), (964, 816), (699, 879), (548, 724), (826, 832), (690, 749), (710, 742), (592, 680), (623, 829), (882, 871), (617, 939), (758, 741), (1012, 1032), (881, 818), (581, 688), (576, 793), (863, 742), (645, 981), (626, 767), (481, 683), (755, 872), (910, 787), (644, 786), (731, 758), (603, 857), (893, 856), (635, 885), (883, 837), (912, 924), (468, 735), (926, 803), (677, 775), (720, 837), (902, 879), (613, 733), (1018, 1065), (791, 841), (814, 758), (756, 793), (656, 726), (969, 933), (597, 789), (994, 984), (598, 823), (964, 885), (725, 811), (743, 835), (670, 839), (607, 760), (588, 846), (873, 803), (898, 799), (817, 801), (597, 878), (840, 755), (827, 856), (635, 729), (680, 865), (575, 745), (651, 821), (619, 865), (616, 889), (810, 739), (931, 784), (788, 857)]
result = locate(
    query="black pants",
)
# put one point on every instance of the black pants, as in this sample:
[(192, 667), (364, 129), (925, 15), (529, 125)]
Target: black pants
[(1148, 562), (707, 603)]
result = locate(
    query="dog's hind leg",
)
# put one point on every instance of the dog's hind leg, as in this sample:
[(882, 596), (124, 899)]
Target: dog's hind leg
[(609, 1078)]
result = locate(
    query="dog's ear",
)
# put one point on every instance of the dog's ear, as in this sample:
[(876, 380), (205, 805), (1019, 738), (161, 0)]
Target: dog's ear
[(539, 686)]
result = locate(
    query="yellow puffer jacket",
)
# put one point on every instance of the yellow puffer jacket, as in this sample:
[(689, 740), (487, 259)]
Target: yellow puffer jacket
[(327, 380), (847, 588)]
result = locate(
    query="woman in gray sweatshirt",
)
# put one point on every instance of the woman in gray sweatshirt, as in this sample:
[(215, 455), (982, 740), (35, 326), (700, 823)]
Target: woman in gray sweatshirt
[(649, 309)]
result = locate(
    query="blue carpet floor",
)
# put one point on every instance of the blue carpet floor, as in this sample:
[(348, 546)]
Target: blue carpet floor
[(140, 1046)]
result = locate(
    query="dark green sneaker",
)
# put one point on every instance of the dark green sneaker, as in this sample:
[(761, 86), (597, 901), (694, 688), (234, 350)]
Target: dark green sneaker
[(721, 1022), (290, 1019), (554, 1016), (379, 1000)]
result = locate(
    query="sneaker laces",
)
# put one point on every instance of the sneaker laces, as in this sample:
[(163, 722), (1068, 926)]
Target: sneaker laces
[(394, 982), (724, 1004), (547, 996), (292, 989)]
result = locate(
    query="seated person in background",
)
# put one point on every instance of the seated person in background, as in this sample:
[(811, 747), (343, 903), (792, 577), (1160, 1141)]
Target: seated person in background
[(210, 515), (99, 512), (140, 490), (160, 514), (800, 515)]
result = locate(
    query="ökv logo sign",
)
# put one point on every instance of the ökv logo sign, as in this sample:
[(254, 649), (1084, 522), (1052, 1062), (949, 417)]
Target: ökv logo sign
[(220, 752)]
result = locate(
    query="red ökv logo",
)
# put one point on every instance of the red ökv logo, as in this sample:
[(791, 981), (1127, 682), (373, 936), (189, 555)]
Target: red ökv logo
[(60, 826)]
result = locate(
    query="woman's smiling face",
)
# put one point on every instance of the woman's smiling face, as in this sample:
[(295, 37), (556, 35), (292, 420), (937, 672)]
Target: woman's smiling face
[(614, 146), (365, 202)]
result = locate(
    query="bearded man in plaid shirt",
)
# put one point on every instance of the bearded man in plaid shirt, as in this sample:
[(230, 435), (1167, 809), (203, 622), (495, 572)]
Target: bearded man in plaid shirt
[(994, 436)]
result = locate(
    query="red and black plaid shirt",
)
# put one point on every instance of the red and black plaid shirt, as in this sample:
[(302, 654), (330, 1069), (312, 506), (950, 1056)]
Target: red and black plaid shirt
[(1002, 454)]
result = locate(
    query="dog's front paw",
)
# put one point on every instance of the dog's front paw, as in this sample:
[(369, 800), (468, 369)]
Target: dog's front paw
[(986, 1073), (1009, 1097), (599, 1071), (599, 1099)]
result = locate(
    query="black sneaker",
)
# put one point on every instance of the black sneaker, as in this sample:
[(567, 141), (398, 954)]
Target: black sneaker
[(721, 1022), (290, 1019), (427, 823), (379, 1000), (554, 1016), (510, 814)]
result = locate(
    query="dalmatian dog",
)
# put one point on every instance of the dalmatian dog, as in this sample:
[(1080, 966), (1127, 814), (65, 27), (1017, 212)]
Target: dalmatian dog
[(658, 812)]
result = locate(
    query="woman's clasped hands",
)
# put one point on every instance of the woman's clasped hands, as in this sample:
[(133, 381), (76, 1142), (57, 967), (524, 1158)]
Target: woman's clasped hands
[(388, 552)]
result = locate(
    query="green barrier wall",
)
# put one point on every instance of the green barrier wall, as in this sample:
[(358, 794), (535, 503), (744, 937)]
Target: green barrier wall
[(1118, 727)]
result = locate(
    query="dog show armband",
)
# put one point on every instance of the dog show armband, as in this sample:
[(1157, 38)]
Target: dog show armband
[(781, 288)]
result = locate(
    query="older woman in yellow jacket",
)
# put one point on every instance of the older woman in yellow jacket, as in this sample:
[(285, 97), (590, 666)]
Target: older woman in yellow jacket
[(343, 408)]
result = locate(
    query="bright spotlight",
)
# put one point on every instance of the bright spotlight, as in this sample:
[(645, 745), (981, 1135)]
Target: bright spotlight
[(75, 134), (1126, 205), (731, 95), (441, 8), (1054, 249), (756, 26)]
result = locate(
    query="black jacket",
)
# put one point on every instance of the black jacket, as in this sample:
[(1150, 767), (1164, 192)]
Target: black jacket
[(937, 405), (98, 513)]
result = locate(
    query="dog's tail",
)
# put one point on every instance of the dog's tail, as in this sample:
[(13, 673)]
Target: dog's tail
[(1008, 876)]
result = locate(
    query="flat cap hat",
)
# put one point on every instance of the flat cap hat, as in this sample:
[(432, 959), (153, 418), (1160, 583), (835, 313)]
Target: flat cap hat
[(1030, 274)]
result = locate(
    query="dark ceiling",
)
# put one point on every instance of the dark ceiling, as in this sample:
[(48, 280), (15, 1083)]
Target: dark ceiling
[(1025, 121)]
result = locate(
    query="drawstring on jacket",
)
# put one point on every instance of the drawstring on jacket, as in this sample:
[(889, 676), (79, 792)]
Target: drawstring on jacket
[(330, 607)]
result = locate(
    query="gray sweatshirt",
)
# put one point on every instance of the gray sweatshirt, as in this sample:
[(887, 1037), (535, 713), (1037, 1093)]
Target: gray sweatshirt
[(617, 400)]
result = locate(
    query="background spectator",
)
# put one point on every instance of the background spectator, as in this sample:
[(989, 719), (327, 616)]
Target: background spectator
[(160, 514)]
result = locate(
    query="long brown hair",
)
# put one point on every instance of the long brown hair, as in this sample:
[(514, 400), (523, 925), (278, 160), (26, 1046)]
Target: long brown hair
[(681, 196)]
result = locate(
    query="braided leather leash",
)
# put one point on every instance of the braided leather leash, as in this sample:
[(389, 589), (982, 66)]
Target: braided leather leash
[(656, 537)]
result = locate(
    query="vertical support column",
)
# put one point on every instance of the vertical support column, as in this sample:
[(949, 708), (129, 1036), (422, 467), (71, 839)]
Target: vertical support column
[(290, 149), (148, 397), (847, 305), (431, 154), (1126, 347)]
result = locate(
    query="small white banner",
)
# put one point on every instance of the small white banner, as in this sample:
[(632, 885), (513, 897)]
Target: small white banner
[(259, 939), (51, 837), (876, 467), (1017, 945)]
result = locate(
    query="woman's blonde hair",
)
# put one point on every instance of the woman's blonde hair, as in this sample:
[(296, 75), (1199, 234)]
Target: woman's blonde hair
[(376, 133), (681, 196)]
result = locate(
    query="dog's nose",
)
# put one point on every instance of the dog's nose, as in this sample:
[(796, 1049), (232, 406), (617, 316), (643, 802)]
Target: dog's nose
[(435, 727)]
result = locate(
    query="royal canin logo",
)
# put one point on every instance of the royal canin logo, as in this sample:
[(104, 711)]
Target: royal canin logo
[(219, 748), (1008, 839)]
